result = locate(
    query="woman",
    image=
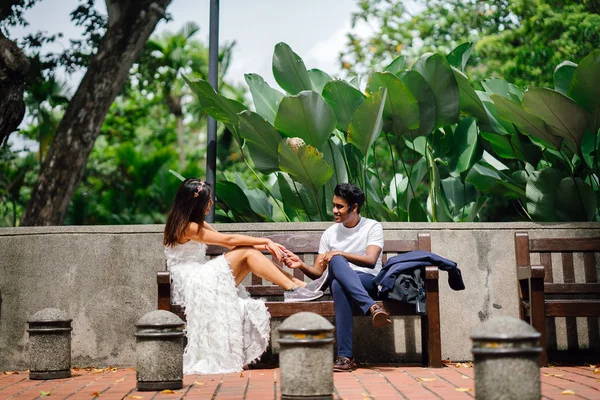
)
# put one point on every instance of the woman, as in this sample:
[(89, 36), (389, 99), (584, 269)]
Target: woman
[(225, 328)]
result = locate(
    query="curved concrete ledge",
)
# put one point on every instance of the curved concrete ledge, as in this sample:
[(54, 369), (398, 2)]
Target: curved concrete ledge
[(104, 277)]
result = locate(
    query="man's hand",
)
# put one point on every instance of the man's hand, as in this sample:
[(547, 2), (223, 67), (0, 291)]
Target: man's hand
[(327, 256), (291, 260)]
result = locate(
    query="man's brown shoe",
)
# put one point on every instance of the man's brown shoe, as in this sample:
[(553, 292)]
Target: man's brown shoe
[(344, 364), (379, 317)]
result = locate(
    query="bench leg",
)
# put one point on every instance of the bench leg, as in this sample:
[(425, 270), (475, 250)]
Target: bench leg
[(163, 280), (538, 314), (434, 341)]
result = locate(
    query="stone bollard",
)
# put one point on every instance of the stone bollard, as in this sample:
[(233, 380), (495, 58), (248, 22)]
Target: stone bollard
[(49, 344), (306, 357), (159, 349), (507, 360)]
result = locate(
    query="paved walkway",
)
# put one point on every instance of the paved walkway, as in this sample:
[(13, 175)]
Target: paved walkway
[(366, 383)]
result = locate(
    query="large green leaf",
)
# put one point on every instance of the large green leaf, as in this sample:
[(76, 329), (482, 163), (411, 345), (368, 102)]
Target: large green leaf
[(471, 104), (343, 99), (470, 212), (266, 99), (297, 197), (562, 115), (304, 163), (575, 200), (289, 70), (437, 204), (257, 198), (332, 153), (467, 149), (375, 207), (563, 73), (585, 87), (489, 180), (422, 92), (416, 212), (232, 198), (527, 123), (409, 184), (396, 66), (541, 194), (514, 147), (503, 88), (460, 55), (367, 122), (219, 107), (307, 116), (458, 195), (401, 111), (262, 141), (318, 78), (436, 71)]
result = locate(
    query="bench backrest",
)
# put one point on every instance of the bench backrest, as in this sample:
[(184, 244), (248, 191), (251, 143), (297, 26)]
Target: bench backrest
[(306, 245), (568, 250), (579, 284)]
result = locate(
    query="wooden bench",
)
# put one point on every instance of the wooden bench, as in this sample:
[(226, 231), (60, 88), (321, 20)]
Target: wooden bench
[(306, 246), (540, 297)]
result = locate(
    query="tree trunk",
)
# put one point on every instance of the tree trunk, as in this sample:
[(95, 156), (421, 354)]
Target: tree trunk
[(13, 67), (130, 23), (181, 141)]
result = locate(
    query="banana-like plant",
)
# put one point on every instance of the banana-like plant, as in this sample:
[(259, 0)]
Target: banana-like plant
[(421, 141)]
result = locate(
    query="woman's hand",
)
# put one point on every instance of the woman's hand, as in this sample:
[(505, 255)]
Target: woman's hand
[(327, 256), (276, 249)]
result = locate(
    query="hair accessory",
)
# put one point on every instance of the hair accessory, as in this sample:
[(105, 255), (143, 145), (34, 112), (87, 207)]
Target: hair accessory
[(197, 192)]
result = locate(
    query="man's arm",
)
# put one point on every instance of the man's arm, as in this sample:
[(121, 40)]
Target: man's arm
[(313, 272), (368, 260)]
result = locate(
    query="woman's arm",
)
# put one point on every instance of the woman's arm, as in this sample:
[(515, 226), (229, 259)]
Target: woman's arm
[(209, 235)]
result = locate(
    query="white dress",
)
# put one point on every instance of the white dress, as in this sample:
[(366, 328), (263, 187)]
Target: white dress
[(225, 329)]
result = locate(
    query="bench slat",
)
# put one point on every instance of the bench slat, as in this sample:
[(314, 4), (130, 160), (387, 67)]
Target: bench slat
[(572, 308), (561, 245), (326, 308), (572, 288)]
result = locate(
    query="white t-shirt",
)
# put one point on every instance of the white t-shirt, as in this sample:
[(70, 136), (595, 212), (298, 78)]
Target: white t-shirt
[(354, 240)]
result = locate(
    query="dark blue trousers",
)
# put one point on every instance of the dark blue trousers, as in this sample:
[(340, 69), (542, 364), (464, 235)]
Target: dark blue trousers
[(348, 288)]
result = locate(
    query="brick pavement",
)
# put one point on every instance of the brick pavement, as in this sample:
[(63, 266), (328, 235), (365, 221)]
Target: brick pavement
[(370, 382)]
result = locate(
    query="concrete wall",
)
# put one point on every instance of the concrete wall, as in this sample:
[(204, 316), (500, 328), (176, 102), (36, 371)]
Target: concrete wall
[(104, 278)]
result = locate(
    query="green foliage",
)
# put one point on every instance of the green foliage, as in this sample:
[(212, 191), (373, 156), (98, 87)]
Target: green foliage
[(521, 41), (422, 143)]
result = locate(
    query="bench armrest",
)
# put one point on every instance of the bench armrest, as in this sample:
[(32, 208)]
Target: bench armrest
[(432, 272), (530, 272)]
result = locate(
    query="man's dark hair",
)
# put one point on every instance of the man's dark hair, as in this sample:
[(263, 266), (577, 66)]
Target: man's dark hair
[(351, 193)]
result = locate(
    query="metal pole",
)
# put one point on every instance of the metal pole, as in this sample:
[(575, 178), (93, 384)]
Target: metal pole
[(213, 74)]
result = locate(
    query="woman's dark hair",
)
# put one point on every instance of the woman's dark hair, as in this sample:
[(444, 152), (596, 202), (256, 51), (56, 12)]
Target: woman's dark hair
[(351, 193), (189, 205)]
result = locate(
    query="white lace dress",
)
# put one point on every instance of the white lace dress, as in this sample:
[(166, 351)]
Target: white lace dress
[(225, 329)]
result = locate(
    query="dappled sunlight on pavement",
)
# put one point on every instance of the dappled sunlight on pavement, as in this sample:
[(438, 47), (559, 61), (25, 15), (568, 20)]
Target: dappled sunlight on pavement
[(369, 382)]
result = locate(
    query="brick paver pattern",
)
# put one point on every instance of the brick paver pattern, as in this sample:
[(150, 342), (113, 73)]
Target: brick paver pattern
[(370, 382)]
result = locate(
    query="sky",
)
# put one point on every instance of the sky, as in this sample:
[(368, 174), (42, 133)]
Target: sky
[(315, 29)]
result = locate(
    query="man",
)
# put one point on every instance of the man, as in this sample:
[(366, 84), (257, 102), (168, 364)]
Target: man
[(351, 248)]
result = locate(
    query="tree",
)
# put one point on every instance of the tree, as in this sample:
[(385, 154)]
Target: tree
[(519, 40), (13, 68), (169, 55), (130, 23)]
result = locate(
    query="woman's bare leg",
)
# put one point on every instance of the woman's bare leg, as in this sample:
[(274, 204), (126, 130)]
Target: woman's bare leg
[(290, 276), (242, 260)]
